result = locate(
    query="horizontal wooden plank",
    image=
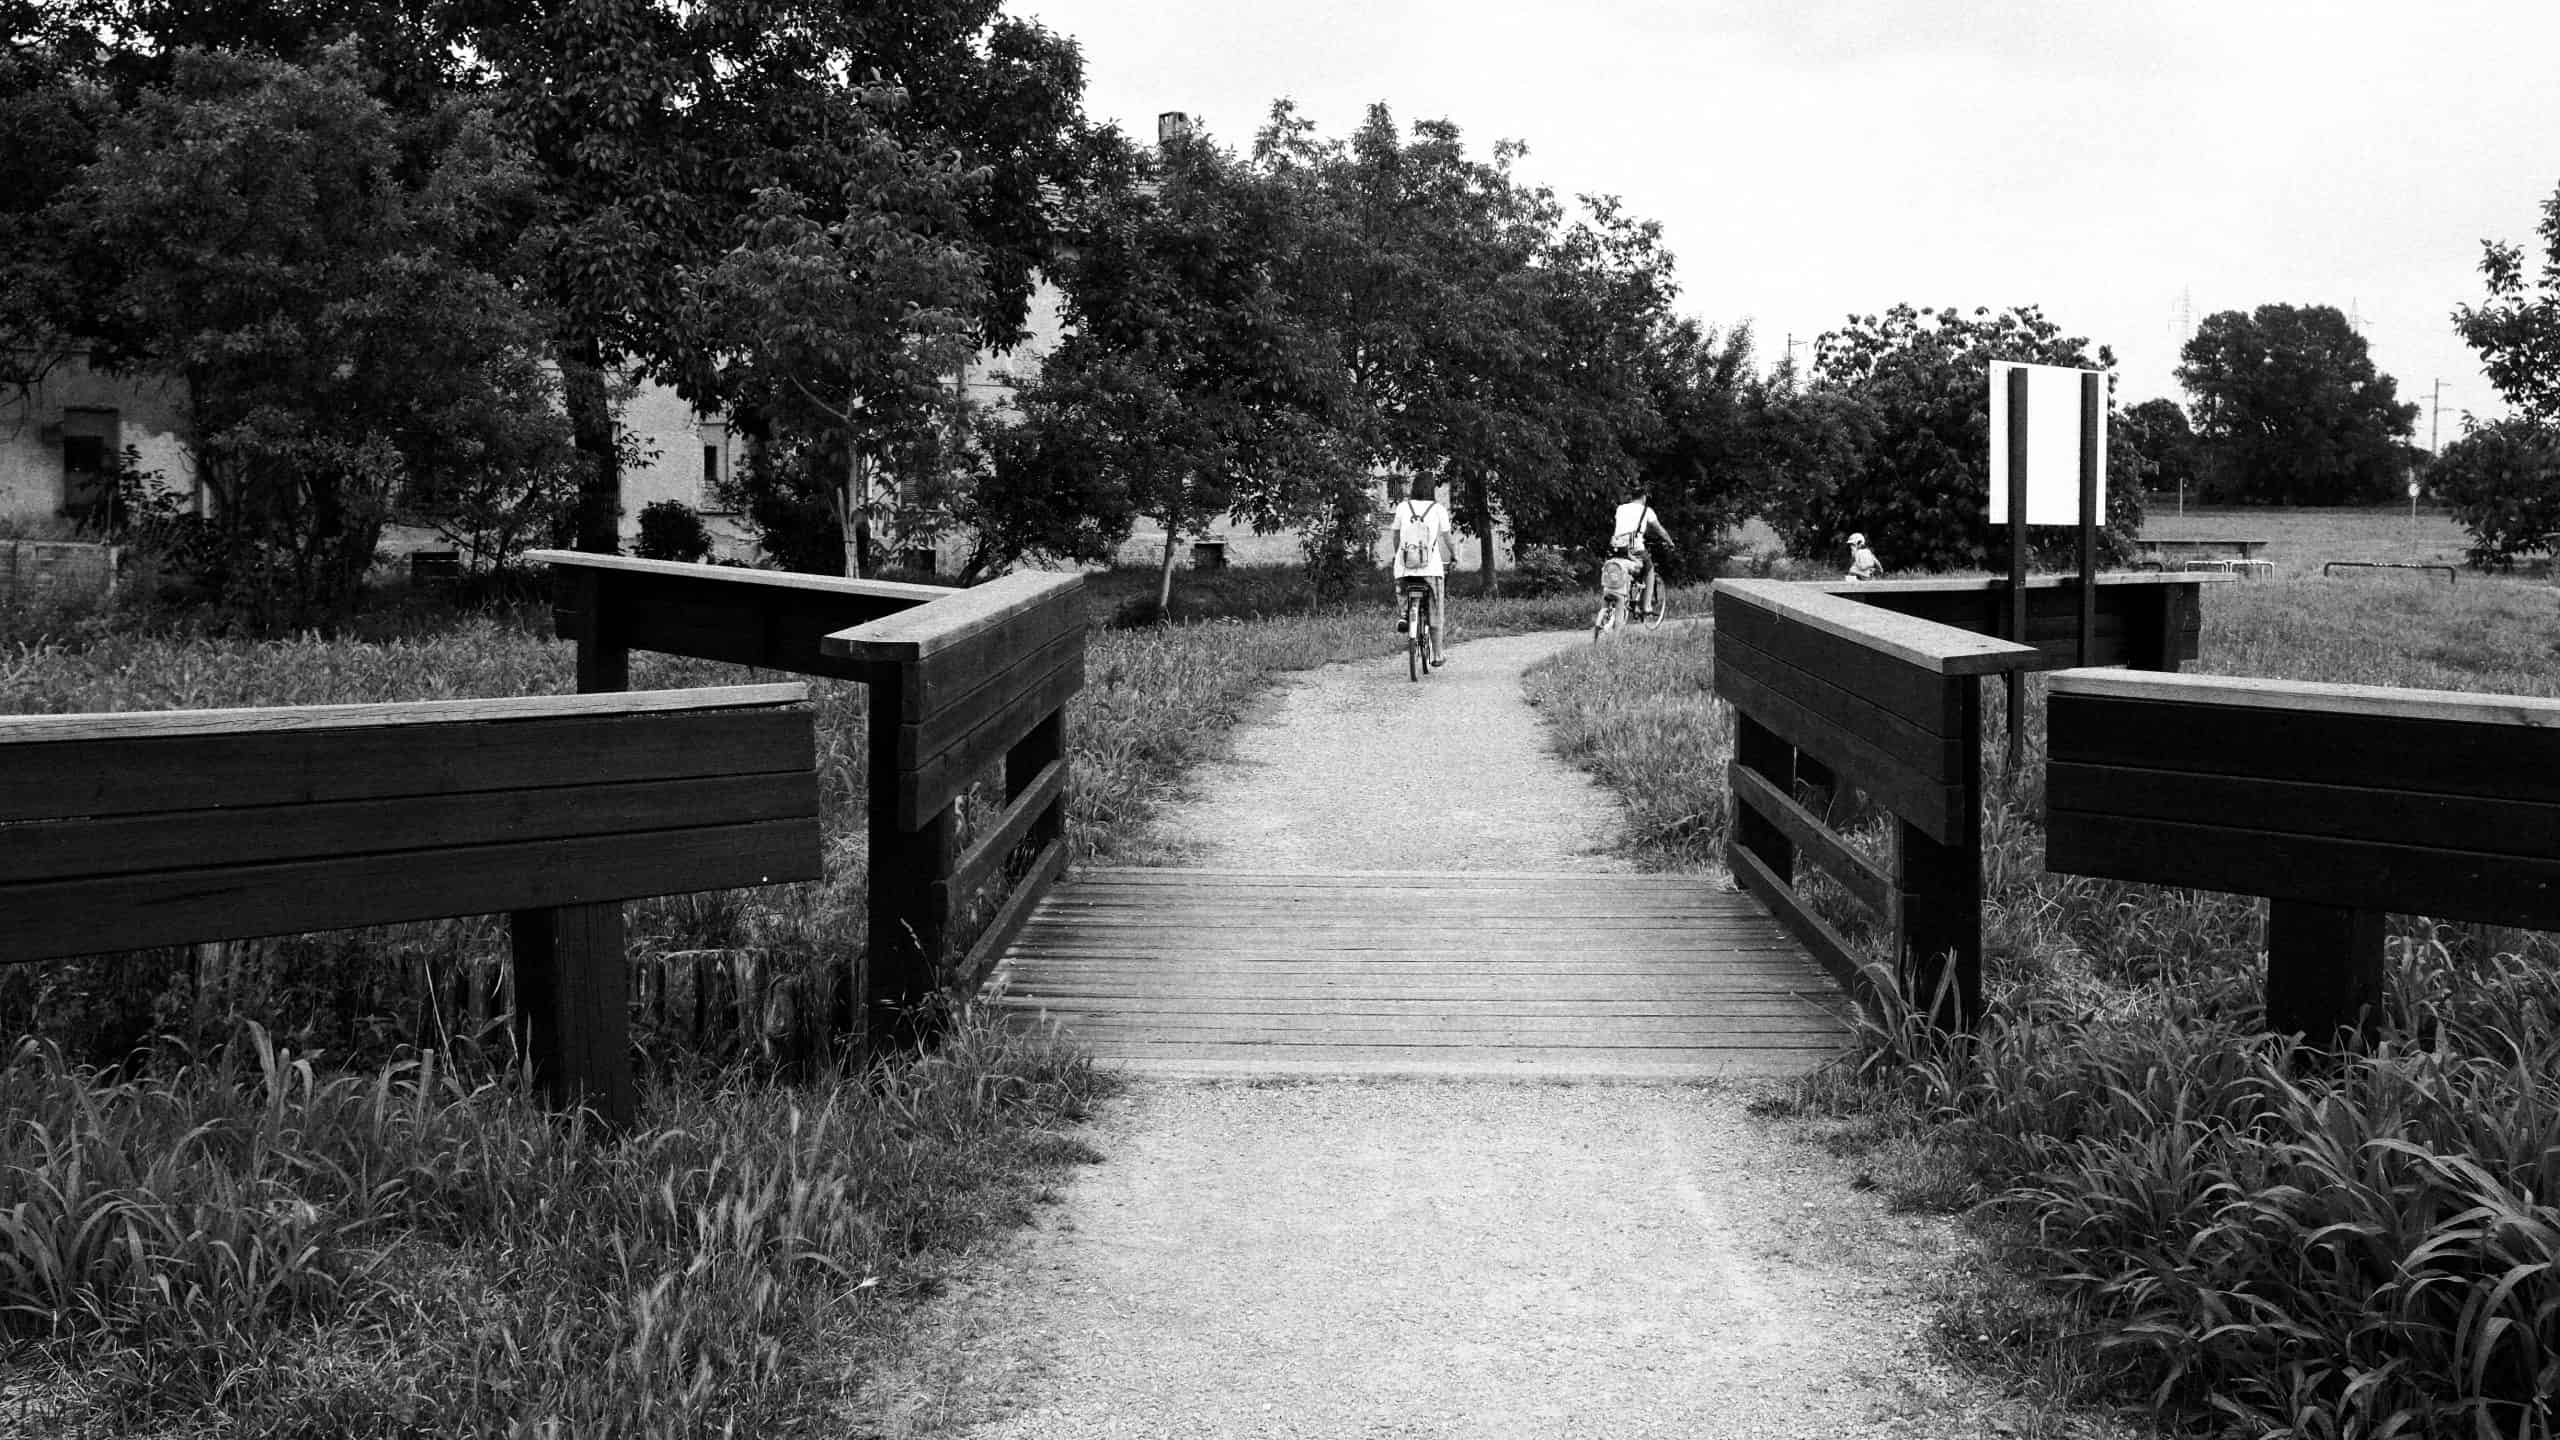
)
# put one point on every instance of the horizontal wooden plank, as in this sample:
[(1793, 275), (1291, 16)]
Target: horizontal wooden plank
[(1006, 923), (1825, 944), (960, 723), (980, 861), (2417, 750), (2444, 884), (2294, 697), (74, 917), (1942, 649), (1919, 695), (1189, 877), (1705, 1007), (1930, 752), (1619, 1031), (187, 840), (957, 618), (947, 764), (953, 675), (1525, 1053), (313, 764), (834, 585), (264, 720), (1927, 801), (2342, 812), (1855, 873)]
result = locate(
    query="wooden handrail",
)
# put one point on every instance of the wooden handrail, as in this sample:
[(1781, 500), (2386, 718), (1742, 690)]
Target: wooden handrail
[(1826, 688), (2336, 802), (130, 831)]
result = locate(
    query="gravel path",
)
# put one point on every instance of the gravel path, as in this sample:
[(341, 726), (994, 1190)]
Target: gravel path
[(1359, 768), (1350, 1259)]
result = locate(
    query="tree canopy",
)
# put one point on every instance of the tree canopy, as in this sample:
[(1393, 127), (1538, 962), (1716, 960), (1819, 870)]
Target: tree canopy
[(2517, 329), (2289, 409)]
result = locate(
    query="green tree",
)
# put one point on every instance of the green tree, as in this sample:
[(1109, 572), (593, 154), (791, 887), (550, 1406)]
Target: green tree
[(1897, 441), (1190, 377), (2289, 409), (2161, 439), (842, 331), (2502, 482), (2517, 329), (278, 246)]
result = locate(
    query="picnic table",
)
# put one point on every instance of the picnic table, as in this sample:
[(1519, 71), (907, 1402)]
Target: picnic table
[(2204, 552)]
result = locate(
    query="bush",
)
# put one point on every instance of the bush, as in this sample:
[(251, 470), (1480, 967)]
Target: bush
[(1546, 570), (669, 530), (2502, 482)]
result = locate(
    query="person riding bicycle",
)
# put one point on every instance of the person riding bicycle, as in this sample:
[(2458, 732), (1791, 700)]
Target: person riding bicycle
[(1419, 536), (1635, 520)]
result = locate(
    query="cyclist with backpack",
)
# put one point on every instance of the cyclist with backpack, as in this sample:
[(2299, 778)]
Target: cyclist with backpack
[(1635, 520), (1424, 550)]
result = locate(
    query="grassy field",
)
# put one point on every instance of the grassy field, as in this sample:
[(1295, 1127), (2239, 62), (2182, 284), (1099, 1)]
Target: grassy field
[(318, 1207), (2301, 541), (2190, 1220)]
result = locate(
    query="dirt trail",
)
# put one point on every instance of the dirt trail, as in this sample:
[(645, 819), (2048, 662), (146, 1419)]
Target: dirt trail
[(1372, 1258)]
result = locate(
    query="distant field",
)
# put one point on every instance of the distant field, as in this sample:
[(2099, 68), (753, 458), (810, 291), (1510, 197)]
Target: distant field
[(2301, 541)]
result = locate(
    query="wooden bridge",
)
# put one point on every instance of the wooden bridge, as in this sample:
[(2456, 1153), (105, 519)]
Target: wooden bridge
[(1582, 974)]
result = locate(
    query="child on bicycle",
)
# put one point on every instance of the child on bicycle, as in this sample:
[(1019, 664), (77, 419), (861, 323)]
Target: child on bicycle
[(1419, 536)]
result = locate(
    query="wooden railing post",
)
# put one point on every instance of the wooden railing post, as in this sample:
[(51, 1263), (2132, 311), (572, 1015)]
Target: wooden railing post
[(572, 998), (2324, 970), (1938, 892), (1756, 747), (908, 917)]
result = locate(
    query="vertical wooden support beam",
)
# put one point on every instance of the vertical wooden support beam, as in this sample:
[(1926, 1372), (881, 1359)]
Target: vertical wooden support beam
[(604, 656), (2091, 411), (907, 926), (571, 1016), (1938, 895), (2017, 478), (1758, 748), (2324, 970)]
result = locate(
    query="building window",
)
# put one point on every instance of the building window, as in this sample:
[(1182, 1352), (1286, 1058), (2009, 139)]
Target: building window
[(715, 464)]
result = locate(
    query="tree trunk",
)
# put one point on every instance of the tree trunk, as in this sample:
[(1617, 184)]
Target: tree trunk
[(1480, 509), (582, 391), (1164, 585), (849, 507)]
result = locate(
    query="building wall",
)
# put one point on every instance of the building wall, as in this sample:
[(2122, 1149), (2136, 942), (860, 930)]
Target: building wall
[(41, 433), (684, 457)]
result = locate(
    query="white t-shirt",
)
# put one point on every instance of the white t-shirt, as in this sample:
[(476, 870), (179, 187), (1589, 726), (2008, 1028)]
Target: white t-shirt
[(1635, 518), (1424, 523)]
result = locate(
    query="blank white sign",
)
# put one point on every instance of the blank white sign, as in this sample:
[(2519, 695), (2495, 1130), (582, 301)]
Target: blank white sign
[(2053, 443)]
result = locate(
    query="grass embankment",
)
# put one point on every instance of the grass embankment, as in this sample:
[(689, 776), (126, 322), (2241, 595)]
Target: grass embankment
[(2193, 1217), (378, 1236)]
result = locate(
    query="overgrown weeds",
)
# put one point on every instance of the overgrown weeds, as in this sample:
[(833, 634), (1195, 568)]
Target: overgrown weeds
[(254, 1245)]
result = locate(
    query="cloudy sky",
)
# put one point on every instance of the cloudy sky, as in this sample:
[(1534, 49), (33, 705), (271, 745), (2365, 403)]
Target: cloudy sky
[(2122, 165)]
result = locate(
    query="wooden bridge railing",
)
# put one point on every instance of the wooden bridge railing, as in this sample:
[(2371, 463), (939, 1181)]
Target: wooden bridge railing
[(2145, 622), (2337, 802), (124, 831), (958, 680), (1825, 687)]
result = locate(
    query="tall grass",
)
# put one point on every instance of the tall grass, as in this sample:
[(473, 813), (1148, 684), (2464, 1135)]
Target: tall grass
[(2252, 1242)]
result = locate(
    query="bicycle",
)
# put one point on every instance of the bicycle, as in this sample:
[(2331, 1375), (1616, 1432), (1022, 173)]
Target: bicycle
[(1421, 625), (1629, 589)]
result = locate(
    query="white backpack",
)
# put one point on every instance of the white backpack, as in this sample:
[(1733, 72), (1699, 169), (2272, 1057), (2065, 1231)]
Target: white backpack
[(1413, 537)]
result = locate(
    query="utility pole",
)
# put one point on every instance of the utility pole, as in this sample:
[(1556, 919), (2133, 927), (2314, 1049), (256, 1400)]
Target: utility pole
[(2435, 416)]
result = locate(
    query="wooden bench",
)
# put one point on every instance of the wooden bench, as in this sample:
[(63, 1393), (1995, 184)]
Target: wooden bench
[(125, 831), (1825, 687), (2337, 802)]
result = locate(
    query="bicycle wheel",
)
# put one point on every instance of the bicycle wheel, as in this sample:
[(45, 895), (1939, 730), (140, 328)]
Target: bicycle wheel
[(1412, 640), (1658, 604), (1605, 621)]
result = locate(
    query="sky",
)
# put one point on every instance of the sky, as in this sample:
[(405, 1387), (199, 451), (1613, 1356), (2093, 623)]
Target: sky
[(2130, 167)]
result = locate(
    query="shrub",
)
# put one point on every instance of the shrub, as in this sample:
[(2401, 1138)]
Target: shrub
[(670, 530), (1546, 570), (2502, 482)]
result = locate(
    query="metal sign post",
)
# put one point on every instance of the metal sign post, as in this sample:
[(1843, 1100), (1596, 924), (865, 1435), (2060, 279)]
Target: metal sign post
[(2092, 400), (2017, 562)]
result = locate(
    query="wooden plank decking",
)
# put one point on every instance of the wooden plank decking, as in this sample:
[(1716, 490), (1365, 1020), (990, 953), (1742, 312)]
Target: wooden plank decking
[(1229, 972)]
